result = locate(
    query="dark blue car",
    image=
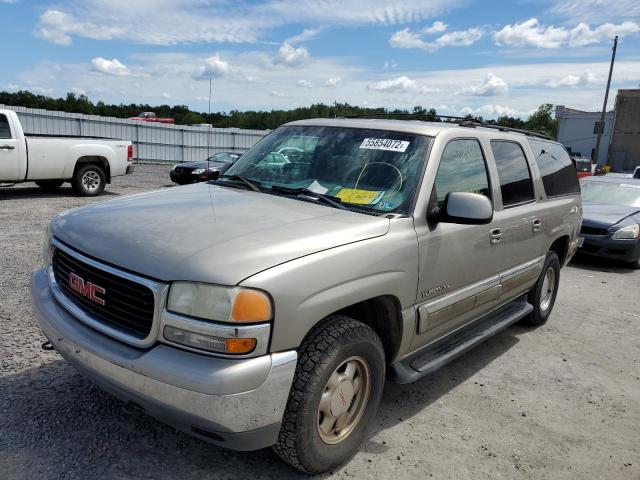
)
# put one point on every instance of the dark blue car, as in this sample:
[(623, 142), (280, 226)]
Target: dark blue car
[(191, 172), (611, 218)]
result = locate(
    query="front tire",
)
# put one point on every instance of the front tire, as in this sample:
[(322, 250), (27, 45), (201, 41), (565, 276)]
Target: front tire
[(89, 181), (543, 295), (335, 395), (49, 185)]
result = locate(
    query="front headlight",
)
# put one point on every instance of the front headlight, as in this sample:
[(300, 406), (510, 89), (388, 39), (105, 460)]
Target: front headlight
[(198, 171), (224, 304), (630, 232)]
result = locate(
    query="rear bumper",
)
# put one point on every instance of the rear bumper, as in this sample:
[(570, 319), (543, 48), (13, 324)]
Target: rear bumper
[(605, 246), (236, 404), (130, 168)]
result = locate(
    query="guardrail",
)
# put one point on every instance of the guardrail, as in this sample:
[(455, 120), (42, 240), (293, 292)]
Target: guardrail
[(152, 142)]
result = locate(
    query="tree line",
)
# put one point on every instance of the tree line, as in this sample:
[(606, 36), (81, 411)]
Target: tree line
[(541, 120)]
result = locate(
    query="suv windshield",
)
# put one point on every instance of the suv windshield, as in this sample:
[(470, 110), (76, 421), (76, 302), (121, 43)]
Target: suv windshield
[(362, 168)]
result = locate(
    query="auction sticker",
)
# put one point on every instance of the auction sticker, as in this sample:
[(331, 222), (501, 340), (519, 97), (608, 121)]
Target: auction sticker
[(384, 144)]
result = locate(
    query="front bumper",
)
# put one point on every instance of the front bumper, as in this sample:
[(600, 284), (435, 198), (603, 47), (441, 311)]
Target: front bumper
[(605, 246), (233, 403)]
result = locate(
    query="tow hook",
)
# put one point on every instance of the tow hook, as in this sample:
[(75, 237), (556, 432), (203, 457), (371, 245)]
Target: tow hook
[(48, 346)]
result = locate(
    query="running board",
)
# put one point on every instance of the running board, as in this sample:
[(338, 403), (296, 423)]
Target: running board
[(433, 357)]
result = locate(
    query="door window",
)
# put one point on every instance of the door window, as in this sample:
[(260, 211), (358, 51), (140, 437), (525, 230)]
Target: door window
[(462, 169), (5, 130), (515, 179)]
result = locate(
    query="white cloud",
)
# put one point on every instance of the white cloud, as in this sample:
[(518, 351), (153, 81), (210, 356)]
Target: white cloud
[(462, 38), (436, 27), (583, 34), (291, 56), (333, 82), (57, 27), (109, 67), (304, 83), (213, 66), (571, 80), (596, 10), (306, 35), (165, 95), (531, 33), (277, 93), (490, 110), (402, 84), (492, 85), (78, 91), (171, 22)]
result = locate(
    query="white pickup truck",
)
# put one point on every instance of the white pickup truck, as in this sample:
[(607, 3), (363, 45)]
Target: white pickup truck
[(88, 163)]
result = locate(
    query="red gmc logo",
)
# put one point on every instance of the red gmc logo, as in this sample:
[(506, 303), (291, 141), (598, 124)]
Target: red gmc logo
[(86, 289)]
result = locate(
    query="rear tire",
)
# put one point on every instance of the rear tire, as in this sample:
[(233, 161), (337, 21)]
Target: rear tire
[(49, 185), (334, 397), (543, 295), (635, 265), (89, 181)]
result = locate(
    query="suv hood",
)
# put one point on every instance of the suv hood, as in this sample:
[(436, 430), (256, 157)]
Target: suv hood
[(209, 233), (604, 216)]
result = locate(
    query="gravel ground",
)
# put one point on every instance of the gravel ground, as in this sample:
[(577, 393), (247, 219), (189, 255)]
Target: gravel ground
[(562, 401)]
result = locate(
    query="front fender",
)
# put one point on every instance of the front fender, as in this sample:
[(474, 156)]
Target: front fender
[(310, 288)]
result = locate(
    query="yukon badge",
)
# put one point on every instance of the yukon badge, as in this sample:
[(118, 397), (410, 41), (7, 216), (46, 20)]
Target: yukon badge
[(86, 289), (436, 290)]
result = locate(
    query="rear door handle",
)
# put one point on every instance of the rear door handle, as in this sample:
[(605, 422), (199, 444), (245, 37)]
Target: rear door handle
[(7, 147), (537, 225), (496, 236)]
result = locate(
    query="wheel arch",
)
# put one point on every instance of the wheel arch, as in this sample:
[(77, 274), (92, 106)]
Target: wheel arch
[(101, 161), (561, 247), (383, 314)]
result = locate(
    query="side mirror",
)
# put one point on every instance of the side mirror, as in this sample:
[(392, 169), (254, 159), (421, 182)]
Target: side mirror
[(213, 175), (464, 208)]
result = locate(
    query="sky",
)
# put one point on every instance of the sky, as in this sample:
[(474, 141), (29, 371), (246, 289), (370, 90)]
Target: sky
[(483, 57)]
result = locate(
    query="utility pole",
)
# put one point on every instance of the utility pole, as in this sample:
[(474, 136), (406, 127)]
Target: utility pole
[(606, 98)]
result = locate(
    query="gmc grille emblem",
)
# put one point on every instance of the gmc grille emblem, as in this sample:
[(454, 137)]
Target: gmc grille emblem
[(86, 289)]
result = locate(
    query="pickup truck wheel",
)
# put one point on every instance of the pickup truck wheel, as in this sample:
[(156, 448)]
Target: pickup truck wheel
[(89, 181), (334, 397), (543, 295), (49, 185)]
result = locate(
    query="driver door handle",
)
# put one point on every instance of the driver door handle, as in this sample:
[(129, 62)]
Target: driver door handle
[(496, 236), (7, 147), (537, 225)]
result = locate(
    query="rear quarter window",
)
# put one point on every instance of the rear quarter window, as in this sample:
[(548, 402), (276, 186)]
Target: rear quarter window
[(559, 175)]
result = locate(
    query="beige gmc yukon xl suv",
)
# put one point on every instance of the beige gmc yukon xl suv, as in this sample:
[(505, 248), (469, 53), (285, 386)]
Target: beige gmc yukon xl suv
[(267, 306)]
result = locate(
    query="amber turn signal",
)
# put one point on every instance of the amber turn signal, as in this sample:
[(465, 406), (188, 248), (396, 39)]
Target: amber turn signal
[(251, 306), (240, 345)]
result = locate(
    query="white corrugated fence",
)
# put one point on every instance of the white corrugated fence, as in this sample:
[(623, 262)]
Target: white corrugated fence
[(152, 142)]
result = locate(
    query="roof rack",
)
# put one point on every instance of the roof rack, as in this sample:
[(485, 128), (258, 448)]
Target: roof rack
[(506, 129), (420, 116), (461, 121)]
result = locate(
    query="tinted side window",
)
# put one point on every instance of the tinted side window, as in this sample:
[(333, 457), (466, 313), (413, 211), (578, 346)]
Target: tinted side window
[(515, 179), (5, 131), (462, 169), (556, 168)]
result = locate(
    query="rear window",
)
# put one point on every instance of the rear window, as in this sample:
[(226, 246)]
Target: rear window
[(515, 179), (559, 175), (5, 131)]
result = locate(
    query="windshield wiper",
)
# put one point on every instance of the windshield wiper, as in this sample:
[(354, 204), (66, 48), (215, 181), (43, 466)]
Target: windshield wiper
[(333, 201), (252, 184)]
